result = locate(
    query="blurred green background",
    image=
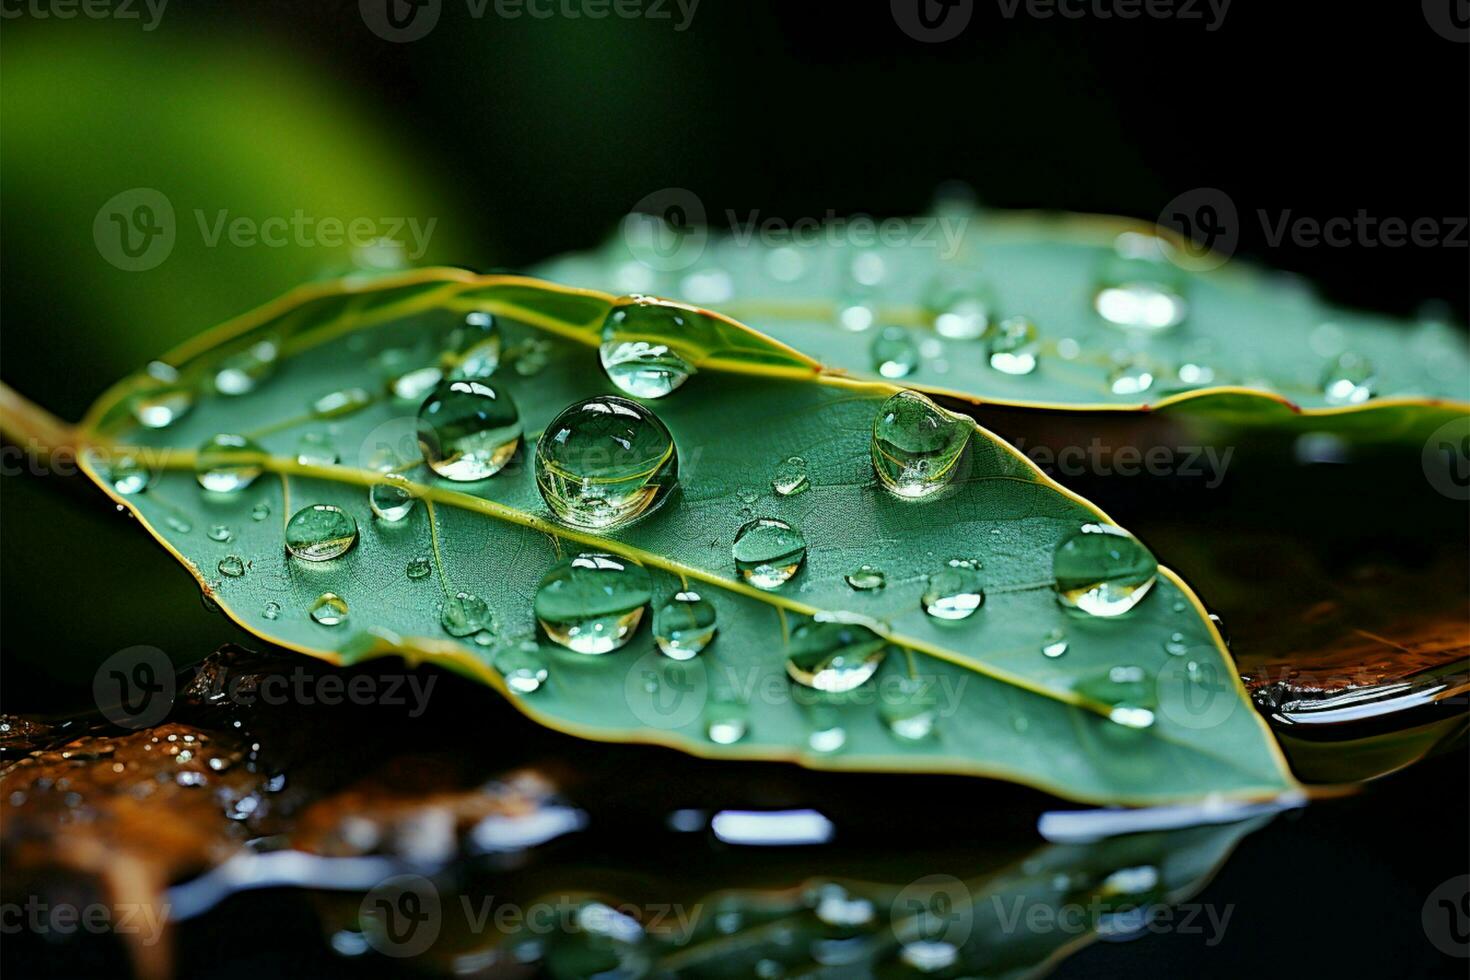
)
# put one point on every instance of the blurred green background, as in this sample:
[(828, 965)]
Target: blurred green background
[(520, 138)]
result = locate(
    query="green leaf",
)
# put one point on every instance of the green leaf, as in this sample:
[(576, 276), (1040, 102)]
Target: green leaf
[(1252, 347), (1005, 709)]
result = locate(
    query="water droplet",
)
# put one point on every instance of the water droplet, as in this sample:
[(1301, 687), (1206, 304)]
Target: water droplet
[(768, 552), (243, 371), (260, 512), (866, 578), (1194, 373), (418, 568), (857, 311), (827, 737), (329, 609), (867, 268), (837, 907), (1126, 690), (165, 401), (178, 524), (1103, 570), (1349, 379), (1139, 287), (532, 356), (592, 603), (231, 565), (474, 346), (894, 353), (834, 654), (320, 532), (468, 430), (684, 625), (1132, 377), (335, 404), (954, 592), (1176, 645), (1014, 347), (726, 722), (785, 264), (645, 344), (909, 710), (929, 955), (917, 445), (959, 312), (707, 286), (1055, 645), (465, 614), (414, 386), (272, 610), (790, 477), (604, 461), (391, 500), (522, 667), (228, 463), (219, 532), (128, 476)]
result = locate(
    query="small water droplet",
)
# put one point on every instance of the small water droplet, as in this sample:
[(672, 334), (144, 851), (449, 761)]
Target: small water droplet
[(272, 610), (834, 654), (827, 737), (866, 578), (894, 353), (768, 552), (468, 430), (465, 614), (1015, 346), (165, 400), (954, 592), (522, 667), (909, 710), (532, 356), (1139, 287), (1176, 645), (605, 461), (242, 372), (645, 344), (592, 603), (726, 722), (790, 477), (231, 565), (474, 347), (418, 568), (320, 532), (1103, 570), (1349, 379), (959, 311), (329, 609), (178, 524), (929, 955), (335, 404), (414, 385), (1055, 645), (228, 463), (785, 264), (1126, 690), (128, 475), (857, 310), (219, 532), (391, 500), (916, 445), (684, 625), (1195, 373), (1132, 377), (260, 512)]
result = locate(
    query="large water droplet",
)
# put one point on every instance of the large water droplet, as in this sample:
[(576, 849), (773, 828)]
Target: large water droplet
[(468, 430), (329, 609), (834, 654), (604, 461), (1015, 346), (768, 552), (917, 445), (1103, 570), (320, 532), (242, 372), (592, 603), (465, 614), (954, 592), (1139, 287), (866, 578), (642, 340), (1349, 379), (684, 625), (894, 353), (1055, 645), (474, 347), (228, 463), (391, 500), (790, 477)]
